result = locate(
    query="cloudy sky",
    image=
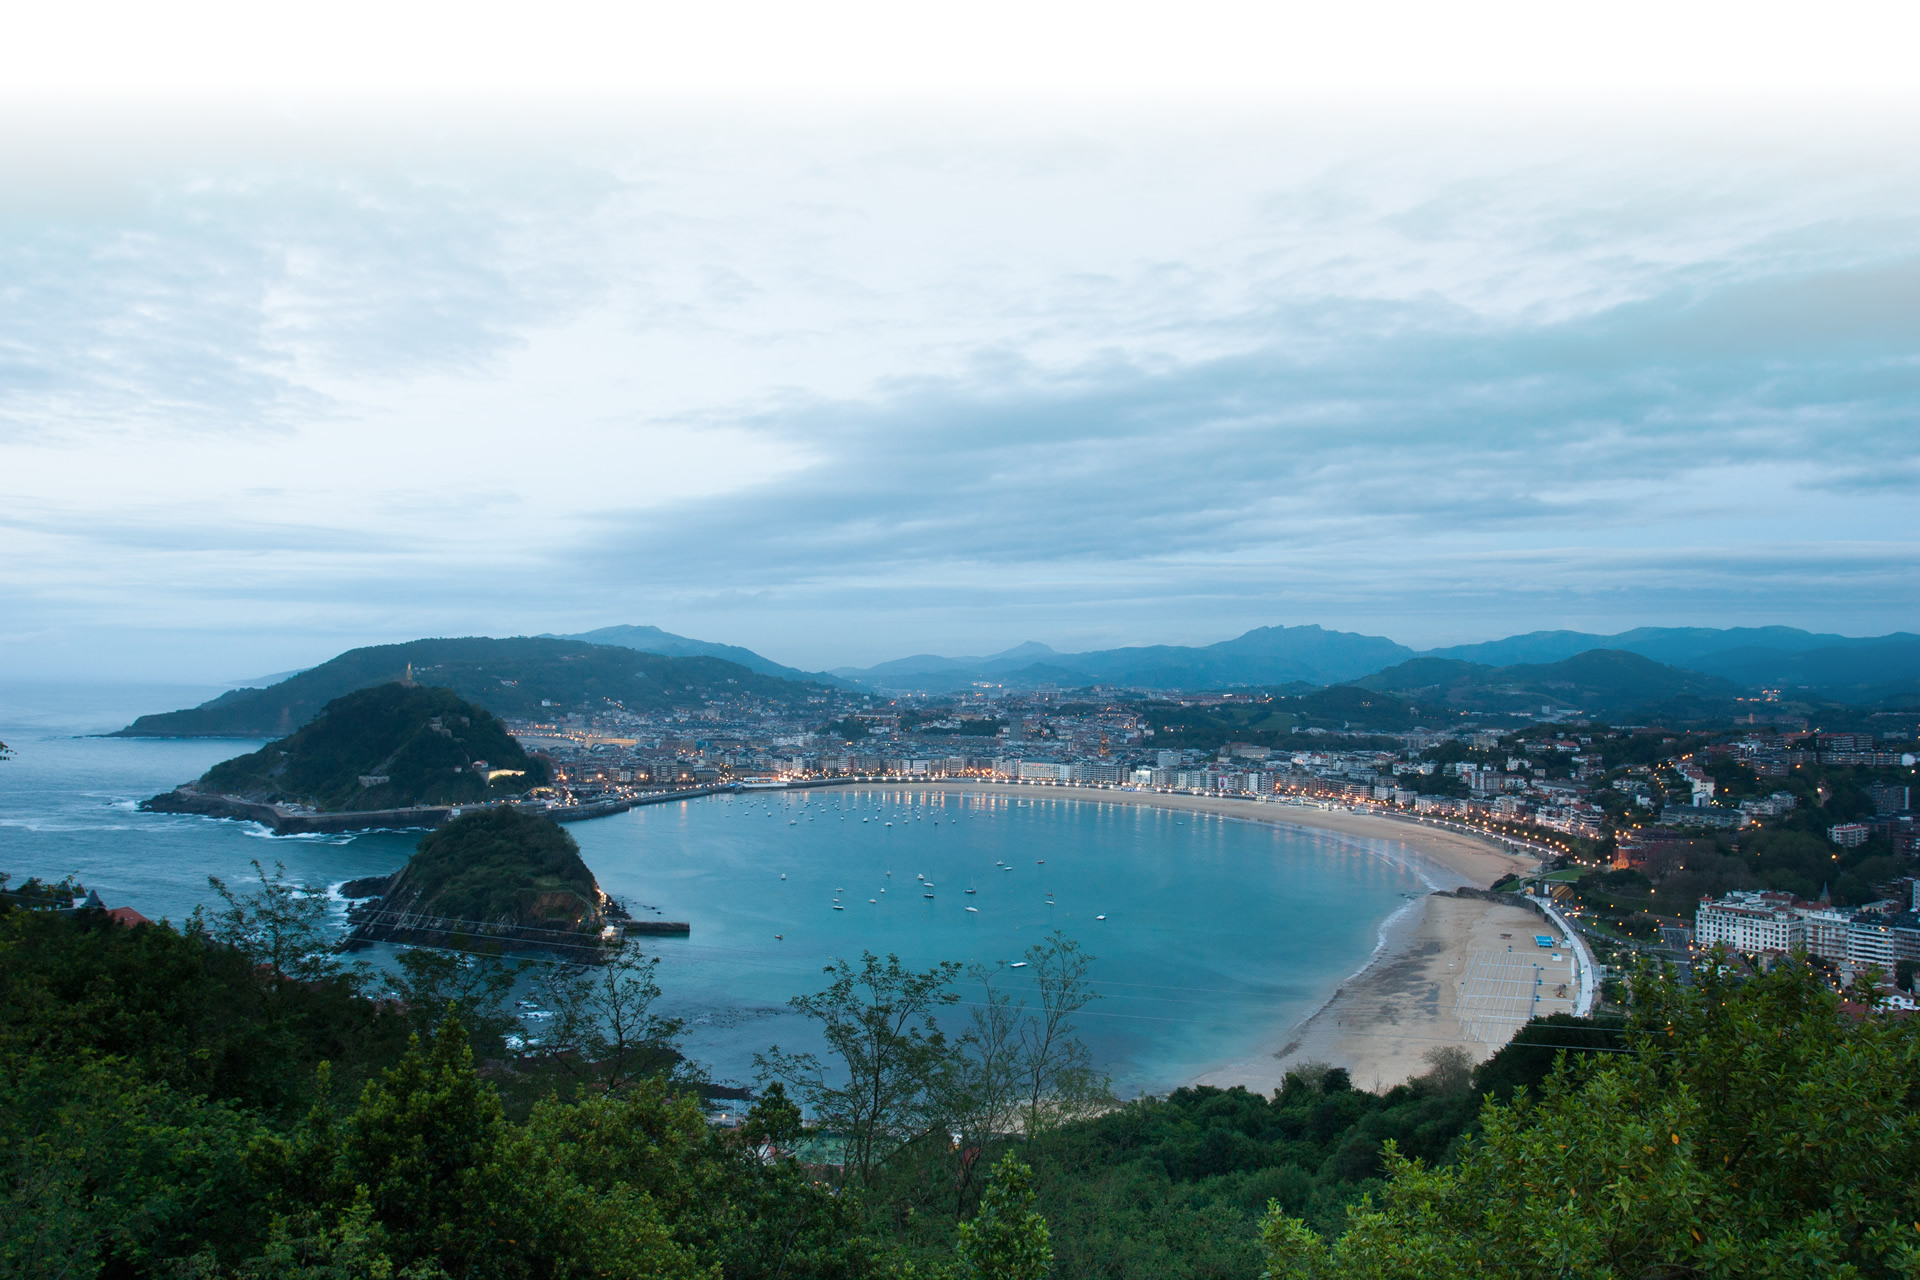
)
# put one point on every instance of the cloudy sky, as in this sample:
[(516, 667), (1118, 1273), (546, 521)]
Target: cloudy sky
[(843, 380)]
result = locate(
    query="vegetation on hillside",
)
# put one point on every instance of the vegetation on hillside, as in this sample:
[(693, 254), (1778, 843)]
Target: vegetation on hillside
[(1751, 1128), (410, 745), (498, 864), (228, 1100), (521, 677)]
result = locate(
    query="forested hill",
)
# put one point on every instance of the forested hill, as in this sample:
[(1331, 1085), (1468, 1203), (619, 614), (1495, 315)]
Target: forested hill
[(511, 677), (382, 748), (499, 866), (1602, 682)]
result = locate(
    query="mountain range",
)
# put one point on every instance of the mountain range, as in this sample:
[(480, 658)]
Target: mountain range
[(1859, 670), (646, 667)]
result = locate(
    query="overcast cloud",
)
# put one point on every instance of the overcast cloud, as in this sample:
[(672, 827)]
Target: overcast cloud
[(844, 387)]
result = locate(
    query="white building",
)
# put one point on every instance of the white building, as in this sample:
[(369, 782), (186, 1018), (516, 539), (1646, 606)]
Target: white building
[(1750, 922)]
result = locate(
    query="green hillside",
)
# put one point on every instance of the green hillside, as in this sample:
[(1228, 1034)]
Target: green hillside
[(511, 677), (499, 865), (424, 744), (1604, 682)]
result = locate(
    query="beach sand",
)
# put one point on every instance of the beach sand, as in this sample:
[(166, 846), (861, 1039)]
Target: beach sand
[(1450, 971), (1454, 971)]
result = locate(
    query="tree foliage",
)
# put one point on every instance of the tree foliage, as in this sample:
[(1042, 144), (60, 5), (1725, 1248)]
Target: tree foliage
[(887, 1087), (1753, 1129), (1007, 1239)]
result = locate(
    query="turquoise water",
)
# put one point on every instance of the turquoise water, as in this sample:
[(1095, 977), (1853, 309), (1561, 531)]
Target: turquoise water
[(1216, 930)]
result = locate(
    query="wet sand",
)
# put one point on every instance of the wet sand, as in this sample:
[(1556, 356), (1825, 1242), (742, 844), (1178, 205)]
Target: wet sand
[(1382, 1022)]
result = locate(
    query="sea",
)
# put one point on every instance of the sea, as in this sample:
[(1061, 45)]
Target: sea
[(1207, 935)]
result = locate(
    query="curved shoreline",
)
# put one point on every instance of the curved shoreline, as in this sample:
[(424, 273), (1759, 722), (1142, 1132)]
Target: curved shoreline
[(1381, 1020), (1473, 860)]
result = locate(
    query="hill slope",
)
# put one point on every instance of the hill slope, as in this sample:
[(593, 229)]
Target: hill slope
[(500, 866), (667, 645), (1263, 656), (1845, 667), (426, 746), (1603, 682), (511, 677)]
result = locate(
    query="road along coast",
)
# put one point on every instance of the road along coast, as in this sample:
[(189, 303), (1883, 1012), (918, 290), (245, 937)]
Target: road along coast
[(1448, 971)]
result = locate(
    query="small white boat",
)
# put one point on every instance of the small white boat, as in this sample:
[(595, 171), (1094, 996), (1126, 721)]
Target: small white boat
[(876, 900), (838, 907), (783, 875), (975, 910), (926, 895), (1018, 964), (1099, 917)]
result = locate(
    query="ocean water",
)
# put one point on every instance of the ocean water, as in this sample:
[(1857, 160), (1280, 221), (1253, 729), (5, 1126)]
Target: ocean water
[(1216, 931)]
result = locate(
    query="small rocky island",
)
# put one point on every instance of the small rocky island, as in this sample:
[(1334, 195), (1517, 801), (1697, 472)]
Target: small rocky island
[(495, 878), (394, 755)]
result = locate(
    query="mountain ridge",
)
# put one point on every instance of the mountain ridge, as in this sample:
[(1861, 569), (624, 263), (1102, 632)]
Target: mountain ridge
[(512, 676)]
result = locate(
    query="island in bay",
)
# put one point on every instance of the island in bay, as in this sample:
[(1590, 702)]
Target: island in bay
[(492, 878)]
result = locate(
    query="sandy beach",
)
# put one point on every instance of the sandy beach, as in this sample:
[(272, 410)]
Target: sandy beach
[(1450, 971)]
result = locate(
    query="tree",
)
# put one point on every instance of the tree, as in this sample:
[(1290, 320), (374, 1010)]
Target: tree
[(1750, 1129), (1008, 1239), (603, 1014), (473, 987), (1053, 1065), (879, 1022), (283, 927)]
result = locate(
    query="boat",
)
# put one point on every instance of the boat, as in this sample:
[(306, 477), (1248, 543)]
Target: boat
[(779, 937), (783, 875), (1018, 964), (1099, 917), (876, 901), (926, 895), (838, 907), (975, 910)]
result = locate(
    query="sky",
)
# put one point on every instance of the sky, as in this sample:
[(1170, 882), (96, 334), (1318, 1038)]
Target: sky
[(865, 338)]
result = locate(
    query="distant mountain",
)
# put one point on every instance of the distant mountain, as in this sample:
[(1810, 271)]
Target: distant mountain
[(516, 677), (668, 645), (1263, 656), (1845, 667), (1599, 682), (387, 747)]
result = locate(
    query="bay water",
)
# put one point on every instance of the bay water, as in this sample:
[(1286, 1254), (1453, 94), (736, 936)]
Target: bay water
[(1216, 931)]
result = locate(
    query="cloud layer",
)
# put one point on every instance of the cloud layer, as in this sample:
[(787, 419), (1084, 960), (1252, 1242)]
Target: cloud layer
[(842, 387)]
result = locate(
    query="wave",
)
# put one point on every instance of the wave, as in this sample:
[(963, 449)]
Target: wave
[(54, 826), (255, 829)]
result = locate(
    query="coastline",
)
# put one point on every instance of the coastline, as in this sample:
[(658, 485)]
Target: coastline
[(1407, 999), (1466, 860)]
